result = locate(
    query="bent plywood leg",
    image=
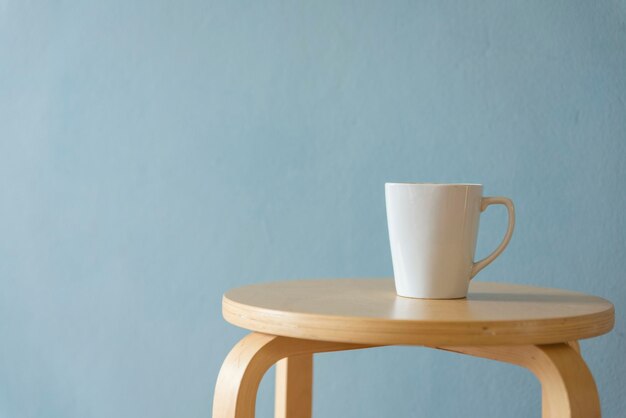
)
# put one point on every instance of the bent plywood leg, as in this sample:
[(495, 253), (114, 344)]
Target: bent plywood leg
[(567, 386), (575, 345), (247, 362), (294, 381)]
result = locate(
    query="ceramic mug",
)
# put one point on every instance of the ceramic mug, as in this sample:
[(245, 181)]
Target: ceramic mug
[(432, 231)]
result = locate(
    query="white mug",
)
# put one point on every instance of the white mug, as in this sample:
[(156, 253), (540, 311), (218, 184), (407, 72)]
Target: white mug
[(432, 231)]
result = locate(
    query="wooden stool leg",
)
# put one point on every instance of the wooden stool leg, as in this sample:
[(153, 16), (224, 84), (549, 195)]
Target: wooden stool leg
[(575, 345), (247, 362), (567, 386), (294, 381)]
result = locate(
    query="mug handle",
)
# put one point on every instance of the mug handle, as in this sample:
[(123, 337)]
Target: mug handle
[(499, 200)]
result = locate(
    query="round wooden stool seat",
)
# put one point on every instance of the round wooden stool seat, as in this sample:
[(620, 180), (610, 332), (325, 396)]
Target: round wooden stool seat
[(368, 311)]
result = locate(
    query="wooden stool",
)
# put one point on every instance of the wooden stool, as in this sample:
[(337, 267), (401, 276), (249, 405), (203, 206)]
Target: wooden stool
[(528, 326)]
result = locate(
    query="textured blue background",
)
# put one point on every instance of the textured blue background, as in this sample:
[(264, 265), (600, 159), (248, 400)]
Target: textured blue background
[(154, 154)]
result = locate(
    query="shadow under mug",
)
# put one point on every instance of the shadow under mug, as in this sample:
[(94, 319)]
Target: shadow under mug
[(432, 232)]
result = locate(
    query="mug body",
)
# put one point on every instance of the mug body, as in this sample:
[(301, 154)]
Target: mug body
[(432, 232)]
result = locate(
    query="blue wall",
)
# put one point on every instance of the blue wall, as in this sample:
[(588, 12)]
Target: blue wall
[(155, 154)]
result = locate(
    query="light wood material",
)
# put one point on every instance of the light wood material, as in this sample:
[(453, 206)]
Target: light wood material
[(247, 362), (294, 381), (368, 311), (534, 328), (576, 346), (567, 386)]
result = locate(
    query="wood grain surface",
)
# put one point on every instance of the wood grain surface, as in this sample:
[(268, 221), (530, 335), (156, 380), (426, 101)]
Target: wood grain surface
[(368, 311)]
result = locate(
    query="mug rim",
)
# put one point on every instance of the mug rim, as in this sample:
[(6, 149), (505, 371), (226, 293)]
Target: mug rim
[(432, 184)]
